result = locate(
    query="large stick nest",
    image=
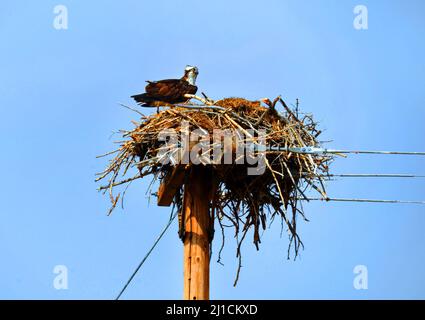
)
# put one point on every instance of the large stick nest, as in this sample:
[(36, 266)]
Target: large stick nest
[(246, 201)]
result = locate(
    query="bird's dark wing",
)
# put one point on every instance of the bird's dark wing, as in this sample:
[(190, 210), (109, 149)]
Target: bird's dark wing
[(191, 89), (142, 98), (168, 90), (164, 81)]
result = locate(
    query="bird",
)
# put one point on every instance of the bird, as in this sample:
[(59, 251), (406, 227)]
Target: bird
[(270, 104), (169, 91)]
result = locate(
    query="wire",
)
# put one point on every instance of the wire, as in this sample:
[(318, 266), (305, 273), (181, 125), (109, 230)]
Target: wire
[(365, 175), (375, 152), (172, 217), (324, 151), (362, 200)]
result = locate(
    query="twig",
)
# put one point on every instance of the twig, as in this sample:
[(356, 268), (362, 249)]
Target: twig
[(204, 101), (132, 109)]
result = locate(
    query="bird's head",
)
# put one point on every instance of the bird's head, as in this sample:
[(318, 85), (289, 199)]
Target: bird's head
[(270, 104), (266, 101), (190, 74)]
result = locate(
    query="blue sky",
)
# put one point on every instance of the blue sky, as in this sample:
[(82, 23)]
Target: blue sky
[(59, 94)]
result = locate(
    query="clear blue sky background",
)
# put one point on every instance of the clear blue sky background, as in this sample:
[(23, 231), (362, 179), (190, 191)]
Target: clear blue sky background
[(58, 106)]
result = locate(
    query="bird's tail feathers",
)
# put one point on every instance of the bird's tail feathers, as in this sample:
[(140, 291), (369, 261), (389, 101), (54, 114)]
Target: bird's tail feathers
[(141, 98)]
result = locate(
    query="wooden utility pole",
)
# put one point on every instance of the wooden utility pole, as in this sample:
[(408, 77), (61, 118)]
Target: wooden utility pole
[(197, 239), (198, 189)]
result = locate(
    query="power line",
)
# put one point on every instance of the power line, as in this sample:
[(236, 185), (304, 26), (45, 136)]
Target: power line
[(172, 217), (324, 151), (375, 152), (364, 175), (362, 200)]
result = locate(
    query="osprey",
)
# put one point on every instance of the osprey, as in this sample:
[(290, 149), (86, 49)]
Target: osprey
[(271, 105), (169, 90)]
